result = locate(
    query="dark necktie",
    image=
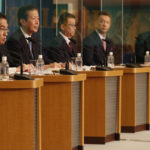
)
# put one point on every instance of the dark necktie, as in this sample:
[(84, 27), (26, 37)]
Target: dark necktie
[(104, 44), (70, 46), (30, 46)]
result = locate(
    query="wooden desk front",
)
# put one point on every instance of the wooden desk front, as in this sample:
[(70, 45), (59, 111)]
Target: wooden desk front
[(63, 112), (20, 127), (102, 106), (135, 99)]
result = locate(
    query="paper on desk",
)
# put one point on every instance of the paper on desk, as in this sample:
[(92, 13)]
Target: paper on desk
[(12, 70)]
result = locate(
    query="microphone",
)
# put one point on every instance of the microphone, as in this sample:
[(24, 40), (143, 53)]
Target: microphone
[(103, 66), (132, 63), (22, 76), (67, 71)]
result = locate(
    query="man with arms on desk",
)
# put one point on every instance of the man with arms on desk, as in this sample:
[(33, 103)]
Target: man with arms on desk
[(23, 41), (96, 46), (63, 47), (3, 35), (3, 49)]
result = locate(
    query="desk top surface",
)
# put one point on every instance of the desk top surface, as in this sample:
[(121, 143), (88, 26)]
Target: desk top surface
[(21, 84), (103, 73), (135, 70), (62, 78)]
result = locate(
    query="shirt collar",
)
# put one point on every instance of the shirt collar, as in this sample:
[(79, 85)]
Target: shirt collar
[(101, 37), (25, 34), (65, 37)]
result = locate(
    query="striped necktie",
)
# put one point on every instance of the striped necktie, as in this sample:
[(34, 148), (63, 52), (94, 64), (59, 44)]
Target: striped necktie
[(70, 45), (104, 44), (30, 46)]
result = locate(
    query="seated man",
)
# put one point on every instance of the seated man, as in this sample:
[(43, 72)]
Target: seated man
[(3, 48), (3, 35), (23, 43), (97, 45), (141, 46), (63, 47)]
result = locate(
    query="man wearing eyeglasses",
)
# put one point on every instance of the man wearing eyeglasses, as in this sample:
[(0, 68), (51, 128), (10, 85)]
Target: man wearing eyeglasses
[(3, 34), (63, 47), (3, 48)]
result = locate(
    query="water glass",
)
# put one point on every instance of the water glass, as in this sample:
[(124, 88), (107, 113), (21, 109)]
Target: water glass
[(33, 66), (73, 63)]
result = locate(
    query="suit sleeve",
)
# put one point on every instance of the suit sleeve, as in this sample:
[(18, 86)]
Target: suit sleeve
[(140, 49), (88, 53), (14, 52)]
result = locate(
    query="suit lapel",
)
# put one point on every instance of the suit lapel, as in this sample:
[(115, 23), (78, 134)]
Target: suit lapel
[(65, 46), (98, 41), (26, 49), (35, 47)]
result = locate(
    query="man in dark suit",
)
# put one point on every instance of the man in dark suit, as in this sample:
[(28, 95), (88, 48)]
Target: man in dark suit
[(97, 45), (3, 34), (141, 46), (23, 41), (63, 47)]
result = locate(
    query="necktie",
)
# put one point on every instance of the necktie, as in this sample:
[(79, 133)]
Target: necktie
[(70, 45), (30, 46), (104, 44)]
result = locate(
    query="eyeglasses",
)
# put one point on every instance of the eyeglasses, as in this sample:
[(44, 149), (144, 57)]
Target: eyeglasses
[(72, 25), (4, 30)]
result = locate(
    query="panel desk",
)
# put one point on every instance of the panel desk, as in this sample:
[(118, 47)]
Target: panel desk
[(102, 106), (135, 99), (63, 112), (20, 117)]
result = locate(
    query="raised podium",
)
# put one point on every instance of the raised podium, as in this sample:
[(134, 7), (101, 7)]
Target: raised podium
[(136, 99), (20, 125), (63, 112), (102, 106)]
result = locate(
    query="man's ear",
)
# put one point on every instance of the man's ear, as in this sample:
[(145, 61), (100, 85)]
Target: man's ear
[(22, 22), (62, 27)]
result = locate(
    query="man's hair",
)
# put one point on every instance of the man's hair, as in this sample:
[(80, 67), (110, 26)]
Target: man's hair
[(64, 18), (105, 13), (2, 16), (23, 12)]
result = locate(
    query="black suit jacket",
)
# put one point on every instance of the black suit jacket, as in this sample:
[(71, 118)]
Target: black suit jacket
[(4, 52), (59, 50), (93, 51), (141, 46), (17, 44)]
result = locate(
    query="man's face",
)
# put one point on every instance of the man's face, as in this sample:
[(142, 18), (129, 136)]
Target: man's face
[(3, 30), (69, 27), (31, 25), (104, 23)]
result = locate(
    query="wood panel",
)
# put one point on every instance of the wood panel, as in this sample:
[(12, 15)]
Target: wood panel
[(57, 111), (119, 104), (95, 107), (62, 78), (20, 126), (17, 120), (21, 84), (128, 100), (102, 73), (148, 104), (82, 114)]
